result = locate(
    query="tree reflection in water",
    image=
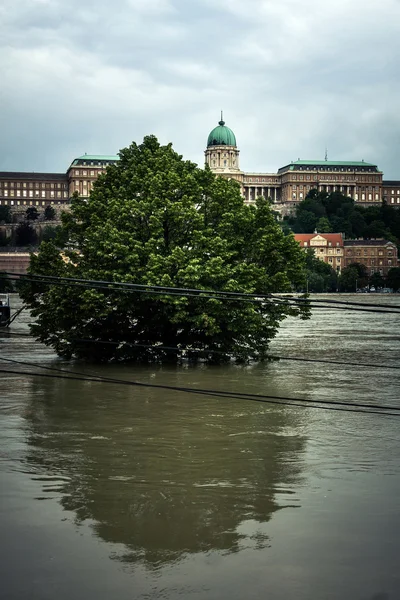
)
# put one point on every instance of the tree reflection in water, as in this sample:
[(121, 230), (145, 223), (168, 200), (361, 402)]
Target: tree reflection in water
[(166, 473)]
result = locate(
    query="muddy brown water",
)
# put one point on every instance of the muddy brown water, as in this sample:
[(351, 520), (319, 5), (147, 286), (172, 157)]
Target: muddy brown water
[(117, 492)]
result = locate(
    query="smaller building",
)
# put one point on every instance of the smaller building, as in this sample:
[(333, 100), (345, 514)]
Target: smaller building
[(391, 192), (378, 255), (19, 190), (328, 247)]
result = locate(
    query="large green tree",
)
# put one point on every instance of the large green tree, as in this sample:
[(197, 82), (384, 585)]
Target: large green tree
[(155, 219)]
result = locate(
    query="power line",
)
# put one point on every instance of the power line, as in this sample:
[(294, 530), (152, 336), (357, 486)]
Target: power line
[(184, 290), (288, 301), (272, 357), (287, 401)]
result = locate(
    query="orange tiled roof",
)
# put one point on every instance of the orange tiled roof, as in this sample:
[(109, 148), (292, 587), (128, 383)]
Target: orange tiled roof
[(334, 238)]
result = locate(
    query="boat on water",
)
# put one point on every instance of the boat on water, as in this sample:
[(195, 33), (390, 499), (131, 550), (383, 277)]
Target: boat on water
[(5, 310)]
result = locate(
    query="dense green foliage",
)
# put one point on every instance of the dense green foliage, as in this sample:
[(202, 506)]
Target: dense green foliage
[(156, 219), (49, 213), (393, 279), (25, 234), (32, 213), (5, 214), (320, 277), (334, 212)]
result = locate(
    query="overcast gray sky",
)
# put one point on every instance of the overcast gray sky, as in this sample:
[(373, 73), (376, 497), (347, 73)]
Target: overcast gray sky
[(292, 77)]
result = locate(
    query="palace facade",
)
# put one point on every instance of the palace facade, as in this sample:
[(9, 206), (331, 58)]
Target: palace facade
[(360, 180)]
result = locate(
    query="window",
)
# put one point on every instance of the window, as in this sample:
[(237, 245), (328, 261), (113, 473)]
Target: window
[(85, 172), (5, 193), (51, 194), (92, 173), (24, 193), (30, 193), (43, 194), (24, 185), (305, 243), (77, 173), (36, 193)]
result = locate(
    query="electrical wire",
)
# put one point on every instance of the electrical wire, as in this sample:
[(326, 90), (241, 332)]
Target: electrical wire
[(202, 293), (303, 402), (272, 357)]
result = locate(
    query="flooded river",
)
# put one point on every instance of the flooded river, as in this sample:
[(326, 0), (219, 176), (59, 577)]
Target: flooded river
[(111, 491)]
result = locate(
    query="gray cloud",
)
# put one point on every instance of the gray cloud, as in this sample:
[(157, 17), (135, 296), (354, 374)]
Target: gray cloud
[(291, 77)]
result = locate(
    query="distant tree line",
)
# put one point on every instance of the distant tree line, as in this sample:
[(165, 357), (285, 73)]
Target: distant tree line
[(334, 212), (24, 234)]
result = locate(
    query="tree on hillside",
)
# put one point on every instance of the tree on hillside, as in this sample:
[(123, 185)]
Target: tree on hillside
[(320, 275), (345, 216), (49, 213), (155, 219), (32, 213), (5, 214), (25, 235), (362, 274), (50, 233), (348, 280), (323, 225)]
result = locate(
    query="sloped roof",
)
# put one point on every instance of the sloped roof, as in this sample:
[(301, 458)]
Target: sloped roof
[(334, 238)]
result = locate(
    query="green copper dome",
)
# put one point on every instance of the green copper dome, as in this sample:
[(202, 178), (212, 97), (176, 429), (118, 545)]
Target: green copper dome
[(221, 136)]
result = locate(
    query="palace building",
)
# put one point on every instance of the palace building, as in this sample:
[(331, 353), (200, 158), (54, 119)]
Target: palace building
[(360, 180)]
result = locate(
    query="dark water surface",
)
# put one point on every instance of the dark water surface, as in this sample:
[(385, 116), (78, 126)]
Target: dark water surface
[(119, 492)]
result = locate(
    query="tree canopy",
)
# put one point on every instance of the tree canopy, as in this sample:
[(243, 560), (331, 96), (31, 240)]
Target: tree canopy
[(327, 212), (156, 219)]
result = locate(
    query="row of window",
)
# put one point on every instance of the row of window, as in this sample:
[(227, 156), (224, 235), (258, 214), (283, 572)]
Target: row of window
[(334, 178), (261, 180), (81, 173), (372, 262), (30, 184), (321, 168), (96, 163), (33, 193), (392, 192), (25, 203)]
